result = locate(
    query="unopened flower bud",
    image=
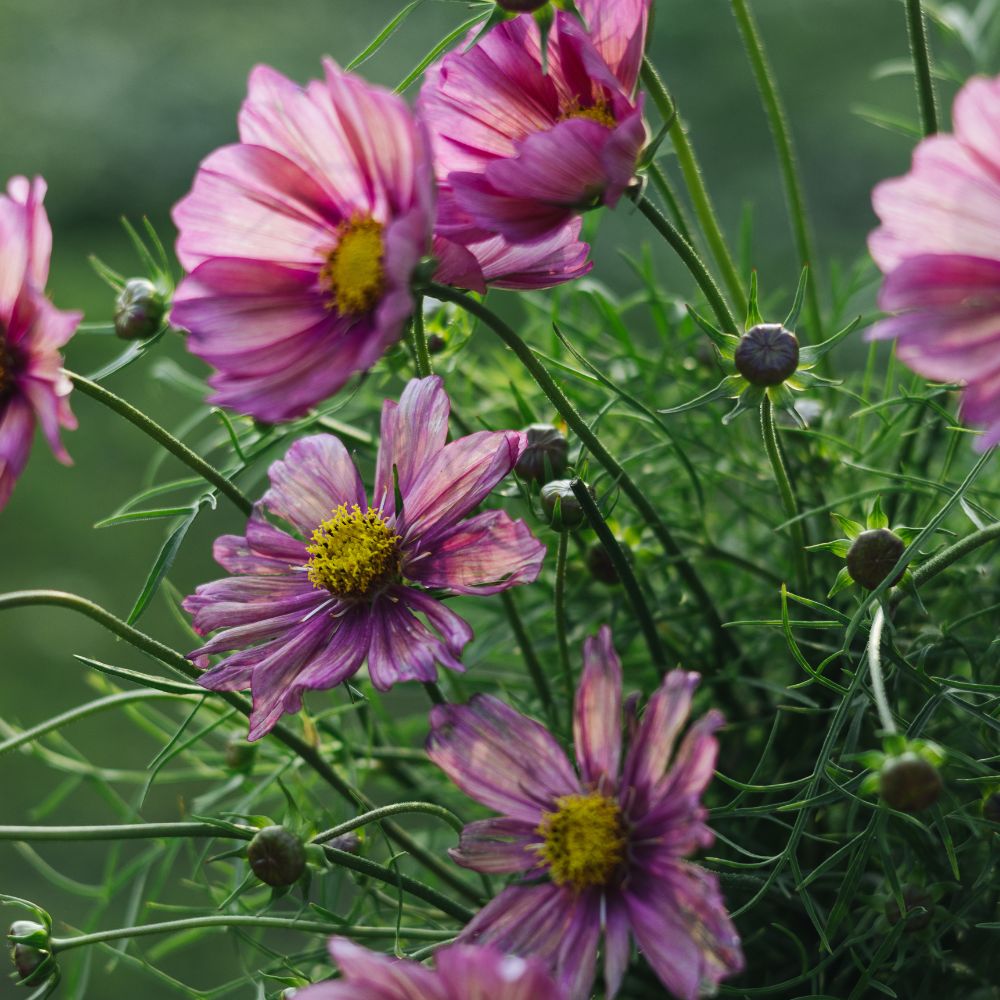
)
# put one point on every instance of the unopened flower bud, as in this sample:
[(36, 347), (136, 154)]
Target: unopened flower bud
[(913, 896), (561, 506), (909, 783), (29, 932), (435, 343), (240, 754), (27, 962), (277, 856), (546, 455), (991, 807), (347, 842), (521, 6), (139, 310), (872, 556), (600, 565), (767, 354)]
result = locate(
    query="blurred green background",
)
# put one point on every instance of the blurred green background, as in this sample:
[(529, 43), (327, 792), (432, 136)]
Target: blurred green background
[(114, 102)]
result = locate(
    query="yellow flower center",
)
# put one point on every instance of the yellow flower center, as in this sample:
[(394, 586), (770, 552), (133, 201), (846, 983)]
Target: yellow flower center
[(354, 553), (584, 840), (599, 112), (354, 273)]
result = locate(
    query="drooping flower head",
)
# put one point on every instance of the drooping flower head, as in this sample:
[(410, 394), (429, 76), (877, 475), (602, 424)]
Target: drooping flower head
[(33, 388), (301, 241), (462, 972), (601, 847), (303, 611), (521, 150), (939, 249)]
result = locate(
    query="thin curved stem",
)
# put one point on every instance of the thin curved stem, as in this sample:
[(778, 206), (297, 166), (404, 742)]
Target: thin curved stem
[(531, 660), (308, 753), (163, 437), (692, 262), (952, 554), (875, 672), (125, 831), (662, 184), (643, 614), (788, 499), (237, 920), (916, 29), (391, 810), (565, 666), (592, 442), (695, 183), (787, 160)]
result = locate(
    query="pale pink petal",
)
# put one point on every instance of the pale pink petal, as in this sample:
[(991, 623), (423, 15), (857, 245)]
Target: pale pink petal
[(503, 759), (597, 713), (382, 977), (471, 973), (618, 31), (976, 115), (31, 194), (482, 555)]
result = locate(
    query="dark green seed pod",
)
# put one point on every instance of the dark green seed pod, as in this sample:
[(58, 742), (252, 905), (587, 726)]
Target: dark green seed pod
[(872, 556), (914, 896), (139, 310), (240, 755), (546, 455), (767, 354), (562, 509), (277, 856), (600, 565), (909, 783)]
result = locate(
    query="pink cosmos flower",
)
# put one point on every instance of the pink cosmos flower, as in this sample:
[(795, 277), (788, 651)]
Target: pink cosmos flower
[(301, 241), (603, 848), (33, 388), (462, 973), (522, 151), (939, 248), (304, 610)]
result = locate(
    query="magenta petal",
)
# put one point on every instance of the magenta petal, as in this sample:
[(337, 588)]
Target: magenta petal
[(315, 477), (454, 481), (500, 758), (597, 713), (17, 427), (15, 251), (413, 431), (618, 32), (680, 921), (617, 943), (471, 973), (243, 600), (38, 233), (265, 549), (482, 555), (498, 846), (377, 976)]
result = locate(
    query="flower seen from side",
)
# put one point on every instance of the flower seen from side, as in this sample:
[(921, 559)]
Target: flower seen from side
[(601, 847), (304, 610)]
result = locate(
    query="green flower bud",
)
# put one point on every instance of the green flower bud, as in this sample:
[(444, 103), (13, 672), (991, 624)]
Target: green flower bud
[(29, 964), (546, 455), (139, 310), (240, 754), (767, 354), (913, 896), (277, 856), (909, 783), (561, 506), (600, 565), (872, 555)]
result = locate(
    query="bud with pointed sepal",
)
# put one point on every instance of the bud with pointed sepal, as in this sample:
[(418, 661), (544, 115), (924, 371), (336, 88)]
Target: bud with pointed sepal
[(277, 856), (140, 310), (545, 456), (562, 508)]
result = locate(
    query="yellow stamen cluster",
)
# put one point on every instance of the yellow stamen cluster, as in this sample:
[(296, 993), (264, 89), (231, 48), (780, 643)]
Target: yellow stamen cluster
[(584, 840), (354, 272), (599, 112), (354, 553)]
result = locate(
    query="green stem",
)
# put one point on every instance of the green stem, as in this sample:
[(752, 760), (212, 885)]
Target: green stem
[(778, 121), (662, 184), (127, 831), (163, 437), (308, 753), (695, 183), (531, 659), (592, 442), (565, 666), (788, 500), (642, 613), (916, 29), (236, 920), (692, 262), (391, 810), (875, 672), (421, 355), (952, 554)]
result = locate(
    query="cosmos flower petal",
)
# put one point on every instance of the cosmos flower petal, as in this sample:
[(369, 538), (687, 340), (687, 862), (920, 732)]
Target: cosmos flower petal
[(15, 251), (681, 925), (976, 115), (597, 712), (498, 757), (497, 846), (17, 427), (264, 549), (488, 974), (617, 943), (316, 476), (455, 480), (618, 32), (384, 976), (31, 194), (484, 554), (413, 431), (243, 600)]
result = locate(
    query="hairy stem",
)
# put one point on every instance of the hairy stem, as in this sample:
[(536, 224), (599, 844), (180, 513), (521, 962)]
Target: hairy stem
[(916, 29), (875, 672), (531, 660), (418, 334)]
